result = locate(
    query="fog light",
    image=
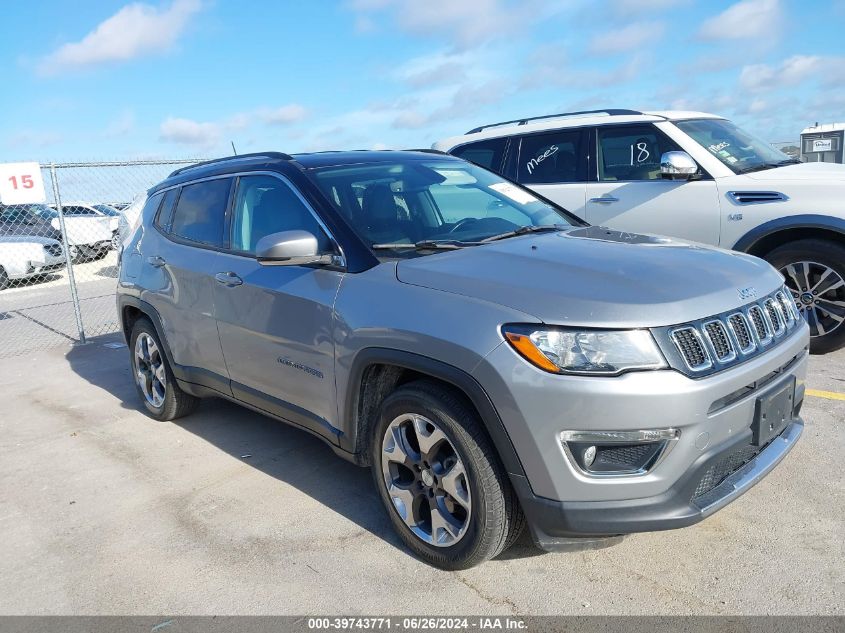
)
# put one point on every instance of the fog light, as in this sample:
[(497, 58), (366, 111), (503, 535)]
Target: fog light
[(602, 453), (589, 456)]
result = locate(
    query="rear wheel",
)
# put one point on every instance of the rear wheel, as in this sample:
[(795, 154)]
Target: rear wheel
[(438, 475), (815, 275), (154, 381)]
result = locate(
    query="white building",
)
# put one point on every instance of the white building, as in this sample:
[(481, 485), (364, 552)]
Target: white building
[(823, 143)]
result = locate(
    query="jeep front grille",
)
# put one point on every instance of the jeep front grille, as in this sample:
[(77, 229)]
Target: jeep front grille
[(717, 342), (761, 327), (689, 343), (717, 335), (738, 325)]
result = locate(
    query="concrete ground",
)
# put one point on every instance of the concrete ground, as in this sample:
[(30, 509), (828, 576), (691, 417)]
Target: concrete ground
[(105, 511)]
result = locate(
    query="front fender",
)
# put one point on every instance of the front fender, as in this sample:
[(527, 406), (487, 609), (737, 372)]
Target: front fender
[(805, 221)]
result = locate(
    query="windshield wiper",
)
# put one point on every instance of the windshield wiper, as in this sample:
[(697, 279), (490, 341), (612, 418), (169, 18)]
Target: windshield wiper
[(523, 230), (427, 245)]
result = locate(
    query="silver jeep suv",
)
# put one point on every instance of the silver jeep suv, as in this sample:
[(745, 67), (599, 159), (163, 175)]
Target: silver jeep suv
[(493, 359)]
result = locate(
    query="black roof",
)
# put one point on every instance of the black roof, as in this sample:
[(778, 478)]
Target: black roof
[(281, 162), (326, 159)]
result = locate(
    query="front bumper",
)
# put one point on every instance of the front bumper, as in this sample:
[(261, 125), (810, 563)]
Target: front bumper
[(714, 415), (557, 524)]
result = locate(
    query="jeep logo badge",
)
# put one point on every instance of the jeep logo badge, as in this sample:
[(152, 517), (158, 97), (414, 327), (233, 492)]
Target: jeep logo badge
[(747, 293)]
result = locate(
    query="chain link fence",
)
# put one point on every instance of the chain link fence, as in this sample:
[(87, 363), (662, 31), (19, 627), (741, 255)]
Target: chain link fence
[(58, 260)]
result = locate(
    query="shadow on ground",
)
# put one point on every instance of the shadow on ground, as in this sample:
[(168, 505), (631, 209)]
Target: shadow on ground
[(275, 448)]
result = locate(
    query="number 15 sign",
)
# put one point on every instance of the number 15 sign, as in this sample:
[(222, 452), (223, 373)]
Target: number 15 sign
[(21, 183)]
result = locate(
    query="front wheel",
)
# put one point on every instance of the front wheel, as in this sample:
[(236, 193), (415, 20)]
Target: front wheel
[(438, 475), (815, 275)]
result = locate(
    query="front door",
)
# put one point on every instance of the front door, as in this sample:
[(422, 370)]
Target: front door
[(631, 195), (276, 322)]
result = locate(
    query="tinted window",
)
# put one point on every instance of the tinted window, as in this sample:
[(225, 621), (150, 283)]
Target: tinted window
[(551, 158), (631, 152), (76, 210), (488, 154), (200, 211), (265, 205), (406, 202), (165, 214)]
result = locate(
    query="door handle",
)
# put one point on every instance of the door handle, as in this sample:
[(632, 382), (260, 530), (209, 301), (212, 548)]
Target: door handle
[(604, 200), (156, 261), (229, 279)]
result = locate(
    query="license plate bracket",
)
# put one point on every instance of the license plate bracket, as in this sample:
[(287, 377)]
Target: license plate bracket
[(772, 413)]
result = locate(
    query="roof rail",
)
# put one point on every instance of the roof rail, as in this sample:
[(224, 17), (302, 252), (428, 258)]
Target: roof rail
[(426, 150), (277, 155), (608, 112)]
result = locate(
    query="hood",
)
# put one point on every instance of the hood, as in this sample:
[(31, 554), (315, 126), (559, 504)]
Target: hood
[(27, 239), (805, 171), (596, 277)]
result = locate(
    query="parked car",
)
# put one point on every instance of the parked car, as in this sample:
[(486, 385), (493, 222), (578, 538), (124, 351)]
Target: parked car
[(494, 359), (25, 257), (130, 216), (77, 209), (690, 175), (88, 237)]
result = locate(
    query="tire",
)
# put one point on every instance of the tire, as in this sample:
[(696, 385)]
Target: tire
[(425, 432), (815, 274), (164, 400), (4, 279)]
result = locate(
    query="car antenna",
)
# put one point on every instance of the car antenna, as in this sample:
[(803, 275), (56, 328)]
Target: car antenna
[(234, 151)]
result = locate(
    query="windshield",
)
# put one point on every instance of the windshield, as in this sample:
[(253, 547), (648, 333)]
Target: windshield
[(736, 148), (417, 201), (106, 210)]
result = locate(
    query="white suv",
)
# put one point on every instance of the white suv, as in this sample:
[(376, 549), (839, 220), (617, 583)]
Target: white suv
[(691, 175)]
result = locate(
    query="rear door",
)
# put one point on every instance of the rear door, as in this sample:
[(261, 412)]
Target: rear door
[(276, 323), (631, 195), (179, 263), (554, 164)]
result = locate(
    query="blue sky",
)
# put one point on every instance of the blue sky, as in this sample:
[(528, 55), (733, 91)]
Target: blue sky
[(175, 78)]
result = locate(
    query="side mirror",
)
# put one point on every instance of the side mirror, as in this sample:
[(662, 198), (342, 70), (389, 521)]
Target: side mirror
[(678, 166), (290, 248)]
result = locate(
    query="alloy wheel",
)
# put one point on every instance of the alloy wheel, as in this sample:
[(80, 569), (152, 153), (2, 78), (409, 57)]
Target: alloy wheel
[(149, 370), (819, 294), (426, 480)]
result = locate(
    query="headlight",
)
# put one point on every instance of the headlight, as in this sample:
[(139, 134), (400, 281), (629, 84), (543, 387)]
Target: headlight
[(590, 352)]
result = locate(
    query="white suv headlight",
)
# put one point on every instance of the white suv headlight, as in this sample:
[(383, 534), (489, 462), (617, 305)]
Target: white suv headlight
[(588, 352)]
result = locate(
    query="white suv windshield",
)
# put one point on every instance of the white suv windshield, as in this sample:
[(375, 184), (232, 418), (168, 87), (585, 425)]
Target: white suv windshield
[(414, 201), (736, 148)]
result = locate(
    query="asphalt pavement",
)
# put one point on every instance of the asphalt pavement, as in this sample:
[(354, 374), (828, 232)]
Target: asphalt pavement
[(105, 511)]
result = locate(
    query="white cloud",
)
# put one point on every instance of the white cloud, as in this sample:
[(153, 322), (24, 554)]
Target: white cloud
[(440, 68), (628, 8), (189, 132), (790, 72), (745, 20), (463, 23), (135, 31), (627, 39), (284, 115)]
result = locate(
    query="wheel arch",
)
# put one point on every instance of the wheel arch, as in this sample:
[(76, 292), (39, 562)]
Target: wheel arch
[(130, 309), (770, 235), (376, 372)]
